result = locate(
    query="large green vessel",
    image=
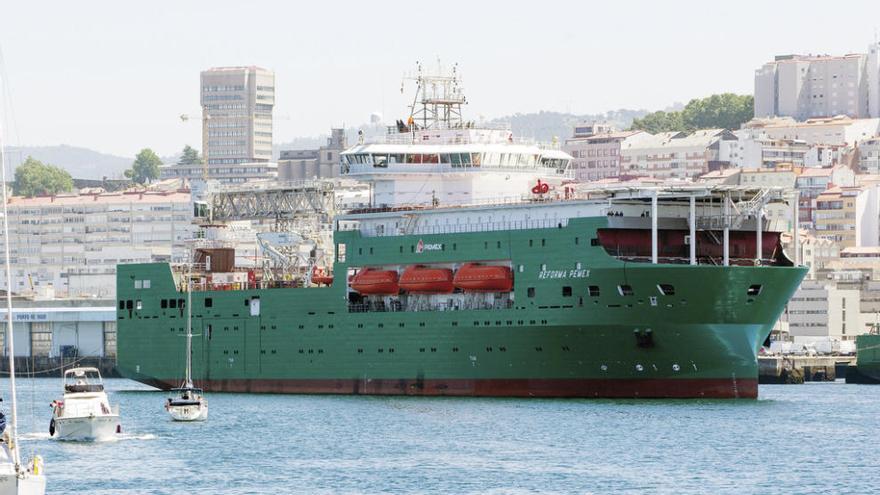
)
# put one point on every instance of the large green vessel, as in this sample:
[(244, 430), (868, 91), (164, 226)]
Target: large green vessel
[(577, 322), (867, 368), (475, 268)]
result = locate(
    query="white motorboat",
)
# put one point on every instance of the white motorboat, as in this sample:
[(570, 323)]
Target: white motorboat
[(15, 478), (84, 413), (189, 404)]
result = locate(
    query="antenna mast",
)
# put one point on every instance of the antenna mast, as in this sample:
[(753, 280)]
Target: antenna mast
[(438, 99)]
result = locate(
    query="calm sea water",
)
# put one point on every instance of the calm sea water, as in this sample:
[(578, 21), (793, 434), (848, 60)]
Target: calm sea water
[(813, 438)]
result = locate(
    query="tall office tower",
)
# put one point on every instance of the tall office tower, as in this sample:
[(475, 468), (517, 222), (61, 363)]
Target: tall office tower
[(237, 107)]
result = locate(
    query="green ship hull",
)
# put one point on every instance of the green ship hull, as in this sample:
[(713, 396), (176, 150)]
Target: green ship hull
[(581, 323), (867, 368)]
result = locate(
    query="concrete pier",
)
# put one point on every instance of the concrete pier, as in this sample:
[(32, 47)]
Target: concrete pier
[(800, 369)]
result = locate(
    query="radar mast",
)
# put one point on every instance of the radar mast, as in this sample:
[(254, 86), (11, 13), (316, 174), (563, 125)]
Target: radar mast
[(438, 99)]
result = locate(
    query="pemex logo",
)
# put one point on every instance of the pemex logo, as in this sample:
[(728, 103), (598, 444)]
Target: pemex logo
[(422, 246)]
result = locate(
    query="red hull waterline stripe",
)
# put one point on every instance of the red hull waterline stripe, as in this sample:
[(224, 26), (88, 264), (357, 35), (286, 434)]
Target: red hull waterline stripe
[(717, 388)]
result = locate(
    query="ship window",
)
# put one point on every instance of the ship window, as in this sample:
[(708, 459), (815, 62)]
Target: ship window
[(401, 249), (380, 161), (139, 306), (444, 158), (543, 242), (499, 244), (521, 268), (172, 303), (486, 245), (395, 158), (121, 304), (594, 241), (412, 249), (755, 289), (129, 304), (454, 246), (371, 250), (138, 284), (465, 159), (666, 289), (625, 290), (163, 303), (360, 251), (530, 243), (181, 303), (530, 292), (577, 240), (566, 291)]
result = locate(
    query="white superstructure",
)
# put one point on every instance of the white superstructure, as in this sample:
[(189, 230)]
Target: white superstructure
[(436, 158)]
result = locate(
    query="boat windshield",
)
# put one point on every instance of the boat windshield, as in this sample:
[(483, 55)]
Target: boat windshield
[(82, 380)]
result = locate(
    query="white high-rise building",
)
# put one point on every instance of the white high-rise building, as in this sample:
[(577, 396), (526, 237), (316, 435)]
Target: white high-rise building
[(807, 86)]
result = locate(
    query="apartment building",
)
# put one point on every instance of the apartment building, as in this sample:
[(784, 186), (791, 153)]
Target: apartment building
[(837, 131), (71, 244), (811, 182), (596, 150), (673, 155), (807, 86), (869, 156), (848, 216)]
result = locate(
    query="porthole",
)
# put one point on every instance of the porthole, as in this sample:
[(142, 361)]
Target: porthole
[(755, 290)]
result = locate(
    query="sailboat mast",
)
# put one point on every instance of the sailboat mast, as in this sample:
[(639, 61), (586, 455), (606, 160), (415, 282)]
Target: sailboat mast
[(10, 344), (189, 325)]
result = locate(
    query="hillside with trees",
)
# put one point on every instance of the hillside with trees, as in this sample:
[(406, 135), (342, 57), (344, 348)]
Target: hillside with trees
[(723, 111)]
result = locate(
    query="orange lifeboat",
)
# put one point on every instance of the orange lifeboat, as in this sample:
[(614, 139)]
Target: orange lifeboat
[(419, 279), (375, 282), (473, 277), (320, 277)]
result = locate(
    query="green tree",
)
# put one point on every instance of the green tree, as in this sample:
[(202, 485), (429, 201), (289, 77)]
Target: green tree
[(145, 167), (190, 156), (658, 122), (35, 178), (724, 111)]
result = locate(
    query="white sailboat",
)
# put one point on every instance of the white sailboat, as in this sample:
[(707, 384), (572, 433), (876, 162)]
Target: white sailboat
[(15, 478), (189, 404)]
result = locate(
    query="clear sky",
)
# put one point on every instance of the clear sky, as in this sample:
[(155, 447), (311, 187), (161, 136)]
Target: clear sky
[(115, 75)]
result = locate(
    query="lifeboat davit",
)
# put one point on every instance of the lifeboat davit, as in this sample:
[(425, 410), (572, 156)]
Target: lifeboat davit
[(320, 277), (420, 279), (473, 277), (375, 282)]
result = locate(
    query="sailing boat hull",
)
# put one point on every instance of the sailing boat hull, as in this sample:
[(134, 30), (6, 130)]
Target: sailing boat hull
[(190, 412), (87, 429), (30, 484)]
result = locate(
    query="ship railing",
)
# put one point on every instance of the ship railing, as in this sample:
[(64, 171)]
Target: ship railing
[(398, 307), (440, 168), (701, 260), (468, 228)]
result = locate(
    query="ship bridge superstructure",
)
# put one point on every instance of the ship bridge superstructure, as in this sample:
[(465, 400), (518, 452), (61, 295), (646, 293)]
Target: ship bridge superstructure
[(437, 158)]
